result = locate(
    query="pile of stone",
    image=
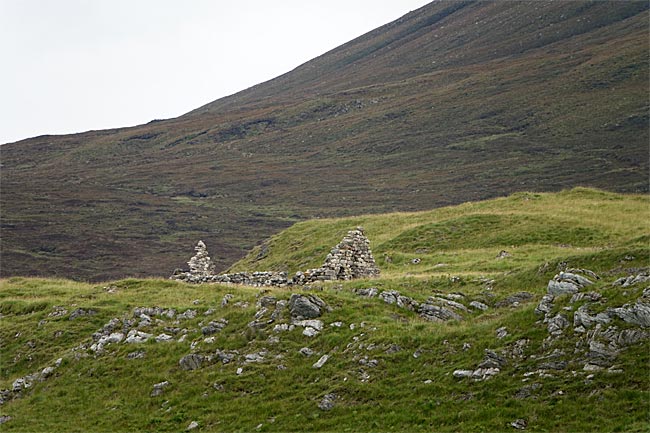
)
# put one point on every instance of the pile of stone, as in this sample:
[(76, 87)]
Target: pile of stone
[(348, 260), (201, 264)]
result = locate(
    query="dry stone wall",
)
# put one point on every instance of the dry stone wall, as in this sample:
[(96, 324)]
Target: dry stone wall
[(350, 259)]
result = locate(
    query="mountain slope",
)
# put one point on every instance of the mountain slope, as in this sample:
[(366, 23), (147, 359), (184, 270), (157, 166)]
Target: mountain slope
[(453, 102), (228, 358)]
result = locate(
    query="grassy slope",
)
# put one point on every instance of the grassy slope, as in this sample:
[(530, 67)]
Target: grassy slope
[(608, 233), (446, 105)]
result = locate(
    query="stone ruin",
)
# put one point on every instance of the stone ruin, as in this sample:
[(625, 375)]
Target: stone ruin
[(201, 264), (350, 259)]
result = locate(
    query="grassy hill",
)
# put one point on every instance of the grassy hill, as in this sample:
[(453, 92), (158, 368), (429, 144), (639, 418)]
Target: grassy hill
[(454, 102), (389, 369)]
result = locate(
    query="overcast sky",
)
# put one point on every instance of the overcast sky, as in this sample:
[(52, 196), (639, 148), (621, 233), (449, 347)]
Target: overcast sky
[(74, 65)]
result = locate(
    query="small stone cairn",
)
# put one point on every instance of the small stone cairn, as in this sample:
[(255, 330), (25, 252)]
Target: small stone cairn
[(201, 264), (350, 259)]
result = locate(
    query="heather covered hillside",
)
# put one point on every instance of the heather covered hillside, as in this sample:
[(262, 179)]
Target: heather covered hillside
[(454, 102)]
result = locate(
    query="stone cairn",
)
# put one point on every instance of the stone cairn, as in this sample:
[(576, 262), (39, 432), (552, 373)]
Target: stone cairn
[(201, 264), (348, 260)]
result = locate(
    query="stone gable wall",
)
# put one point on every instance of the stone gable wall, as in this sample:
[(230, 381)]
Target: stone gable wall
[(350, 259)]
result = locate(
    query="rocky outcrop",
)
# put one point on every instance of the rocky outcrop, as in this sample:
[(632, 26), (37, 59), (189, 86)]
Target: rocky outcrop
[(599, 340)]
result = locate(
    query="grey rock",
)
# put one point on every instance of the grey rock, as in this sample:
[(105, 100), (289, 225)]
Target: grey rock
[(4, 419), (227, 297), (214, 327), (306, 351), (553, 365), (389, 296), (306, 306), (528, 390), (192, 361), (557, 324), (557, 288), (159, 388), (636, 314), (462, 373), (519, 424), (582, 317), (436, 313), (545, 305), (576, 279), (254, 357), (633, 279), (47, 372), (370, 292), (80, 312), (492, 360), (589, 296), (485, 373), (192, 425), (138, 354), (309, 332), (266, 302), (328, 401), (188, 314), (323, 359), (478, 305), (514, 300), (393, 348), (225, 356), (135, 336), (502, 332), (313, 323), (164, 337), (628, 337)]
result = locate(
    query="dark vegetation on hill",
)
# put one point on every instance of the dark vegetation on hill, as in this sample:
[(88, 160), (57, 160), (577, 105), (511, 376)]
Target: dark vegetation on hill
[(453, 102)]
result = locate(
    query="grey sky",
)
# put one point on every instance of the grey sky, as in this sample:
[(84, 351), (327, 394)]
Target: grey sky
[(74, 65)]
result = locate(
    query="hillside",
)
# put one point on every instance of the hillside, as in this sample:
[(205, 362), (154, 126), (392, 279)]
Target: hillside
[(454, 102), (375, 355)]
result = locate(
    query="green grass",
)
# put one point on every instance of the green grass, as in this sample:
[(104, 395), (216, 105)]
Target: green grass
[(110, 392)]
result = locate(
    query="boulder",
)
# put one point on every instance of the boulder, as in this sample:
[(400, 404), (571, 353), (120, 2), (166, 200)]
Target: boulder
[(436, 313), (306, 306), (323, 359), (192, 361)]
